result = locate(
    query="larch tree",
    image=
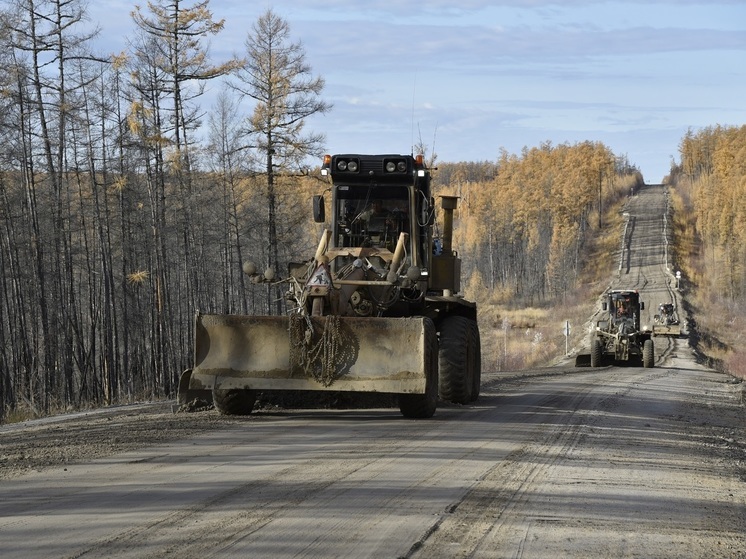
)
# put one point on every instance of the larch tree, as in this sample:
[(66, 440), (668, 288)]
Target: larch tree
[(280, 81), (179, 36), (226, 161), (42, 41), (170, 67)]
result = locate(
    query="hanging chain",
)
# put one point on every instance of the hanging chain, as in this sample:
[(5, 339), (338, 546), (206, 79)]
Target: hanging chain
[(319, 355)]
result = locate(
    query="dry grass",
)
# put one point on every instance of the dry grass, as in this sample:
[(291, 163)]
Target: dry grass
[(717, 324), (18, 414), (515, 337), (718, 331)]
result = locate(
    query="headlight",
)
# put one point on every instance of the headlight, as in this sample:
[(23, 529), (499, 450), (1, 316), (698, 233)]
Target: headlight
[(395, 166), (347, 165)]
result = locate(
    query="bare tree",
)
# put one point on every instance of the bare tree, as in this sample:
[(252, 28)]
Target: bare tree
[(278, 78), (171, 66), (41, 40), (227, 161), (180, 53)]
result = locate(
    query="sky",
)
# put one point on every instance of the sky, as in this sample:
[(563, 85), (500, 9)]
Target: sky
[(470, 78)]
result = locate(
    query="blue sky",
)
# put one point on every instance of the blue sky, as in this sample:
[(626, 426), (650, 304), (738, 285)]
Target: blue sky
[(473, 77)]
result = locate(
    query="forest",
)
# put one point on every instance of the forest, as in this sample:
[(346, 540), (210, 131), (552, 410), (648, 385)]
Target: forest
[(124, 209), (127, 206), (707, 186)]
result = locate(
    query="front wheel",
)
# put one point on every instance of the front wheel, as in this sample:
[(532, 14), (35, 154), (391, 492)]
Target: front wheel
[(648, 354), (457, 359), (317, 306), (596, 353), (234, 401), (476, 379)]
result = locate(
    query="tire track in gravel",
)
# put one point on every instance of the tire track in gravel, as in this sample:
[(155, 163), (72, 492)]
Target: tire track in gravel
[(241, 487), (213, 524), (487, 511)]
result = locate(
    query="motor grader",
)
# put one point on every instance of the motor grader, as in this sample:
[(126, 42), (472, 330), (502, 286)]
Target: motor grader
[(376, 309), (618, 335), (666, 321)]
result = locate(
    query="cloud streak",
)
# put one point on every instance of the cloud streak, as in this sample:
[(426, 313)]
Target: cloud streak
[(482, 75)]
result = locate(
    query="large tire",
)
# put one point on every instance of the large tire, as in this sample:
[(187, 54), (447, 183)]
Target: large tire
[(422, 406), (597, 353), (457, 359), (476, 378), (234, 401), (648, 354)]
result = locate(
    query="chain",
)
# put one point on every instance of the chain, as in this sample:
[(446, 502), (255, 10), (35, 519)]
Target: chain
[(322, 355)]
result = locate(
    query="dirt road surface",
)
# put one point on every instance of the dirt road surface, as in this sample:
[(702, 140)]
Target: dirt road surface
[(559, 462)]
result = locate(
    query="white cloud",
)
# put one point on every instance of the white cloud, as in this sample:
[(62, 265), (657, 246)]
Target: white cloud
[(482, 74)]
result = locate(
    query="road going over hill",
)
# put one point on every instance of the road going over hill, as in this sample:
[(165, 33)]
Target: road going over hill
[(558, 462)]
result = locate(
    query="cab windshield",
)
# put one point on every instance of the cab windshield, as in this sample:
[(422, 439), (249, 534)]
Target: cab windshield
[(371, 216)]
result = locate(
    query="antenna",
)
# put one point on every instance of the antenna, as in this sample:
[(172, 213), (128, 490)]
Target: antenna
[(414, 89), (433, 155)]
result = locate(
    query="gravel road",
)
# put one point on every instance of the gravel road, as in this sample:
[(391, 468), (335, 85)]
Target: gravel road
[(557, 462), (565, 462)]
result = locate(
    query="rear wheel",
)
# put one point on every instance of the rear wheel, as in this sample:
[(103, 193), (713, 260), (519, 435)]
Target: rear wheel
[(648, 354), (456, 361), (422, 406), (234, 401), (596, 353), (476, 378)]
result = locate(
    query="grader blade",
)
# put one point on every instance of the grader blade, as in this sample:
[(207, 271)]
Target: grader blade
[(191, 396), (667, 330), (310, 353), (583, 360)]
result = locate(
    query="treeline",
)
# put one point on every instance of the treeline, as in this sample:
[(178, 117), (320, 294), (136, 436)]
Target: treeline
[(123, 210), (526, 220), (712, 176), (125, 207), (709, 188)]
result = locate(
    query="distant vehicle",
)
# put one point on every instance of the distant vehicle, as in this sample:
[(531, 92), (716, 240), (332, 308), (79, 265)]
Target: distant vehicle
[(618, 335), (666, 322)]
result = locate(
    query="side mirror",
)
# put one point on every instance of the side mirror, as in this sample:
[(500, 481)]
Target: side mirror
[(642, 306), (319, 210), (605, 306)]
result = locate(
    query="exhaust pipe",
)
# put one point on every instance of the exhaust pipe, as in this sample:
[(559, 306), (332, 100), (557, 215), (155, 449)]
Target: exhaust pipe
[(448, 203)]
